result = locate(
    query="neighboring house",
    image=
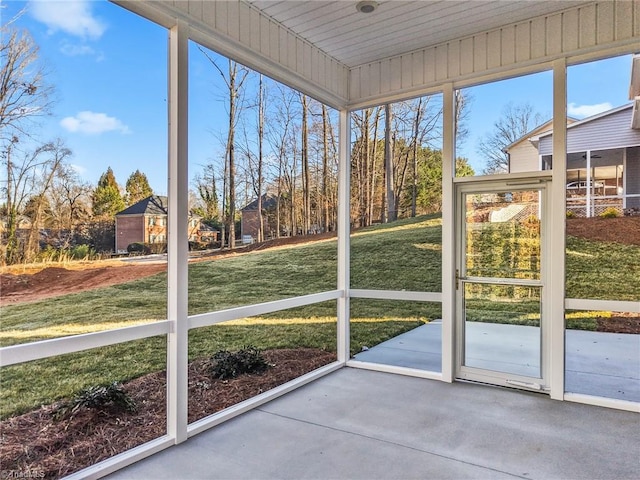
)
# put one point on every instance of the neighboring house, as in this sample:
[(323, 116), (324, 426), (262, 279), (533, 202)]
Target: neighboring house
[(23, 223), (603, 156), (523, 153), (249, 222), (146, 222), (603, 160)]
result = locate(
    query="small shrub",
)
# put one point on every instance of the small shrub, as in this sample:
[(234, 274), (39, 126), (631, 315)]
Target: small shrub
[(109, 397), (81, 252), (610, 213), (138, 247), (227, 364), (571, 214)]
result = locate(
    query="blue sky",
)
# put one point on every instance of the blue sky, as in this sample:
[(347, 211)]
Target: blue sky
[(109, 69)]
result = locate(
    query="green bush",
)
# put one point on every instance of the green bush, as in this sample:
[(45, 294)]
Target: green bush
[(227, 364), (111, 397), (571, 214), (610, 213), (80, 252), (138, 247)]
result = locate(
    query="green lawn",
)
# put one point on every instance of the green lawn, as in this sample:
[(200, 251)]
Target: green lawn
[(404, 255)]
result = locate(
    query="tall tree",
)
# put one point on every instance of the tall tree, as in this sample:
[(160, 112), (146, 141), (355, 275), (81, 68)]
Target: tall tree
[(24, 93), (70, 204), (515, 122), (280, 130), (208, 200), (234, 79), (392, 212), (326, 125), (106, 199), (306, 184), (29, 179), (137, 188)]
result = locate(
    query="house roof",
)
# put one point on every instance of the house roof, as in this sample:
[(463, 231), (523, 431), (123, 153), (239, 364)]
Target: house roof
[(153, 205), (590, 119), (268, 201), (537, 132)]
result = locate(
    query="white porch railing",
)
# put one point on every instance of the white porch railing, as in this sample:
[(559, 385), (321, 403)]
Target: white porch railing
[(595, 205)]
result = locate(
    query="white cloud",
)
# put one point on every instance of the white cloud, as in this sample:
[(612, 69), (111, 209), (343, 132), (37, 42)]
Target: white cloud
[(79, 169), (71, 50), (92, 123), (70, 16), (582, 111)]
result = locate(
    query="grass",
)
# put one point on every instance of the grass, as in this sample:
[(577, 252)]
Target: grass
[(602, 271), (405, 255)]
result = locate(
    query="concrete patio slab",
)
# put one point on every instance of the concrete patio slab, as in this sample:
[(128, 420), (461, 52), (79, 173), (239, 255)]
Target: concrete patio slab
[(363, 424), (597, 363)]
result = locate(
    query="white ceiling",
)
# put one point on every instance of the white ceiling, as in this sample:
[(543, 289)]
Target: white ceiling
[(397, 27)]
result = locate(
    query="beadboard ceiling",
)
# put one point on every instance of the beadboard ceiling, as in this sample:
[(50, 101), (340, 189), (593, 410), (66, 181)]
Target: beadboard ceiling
[(397, 27)]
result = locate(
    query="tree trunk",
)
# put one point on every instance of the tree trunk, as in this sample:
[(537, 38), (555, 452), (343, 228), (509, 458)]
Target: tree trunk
[(374, 153), (306, 187), (325, 169), (414, 186), (392, 213), (231, 149), (260, 141)]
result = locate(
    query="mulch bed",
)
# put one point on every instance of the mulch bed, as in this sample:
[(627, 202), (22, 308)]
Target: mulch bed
[(624, 230), (36, 445), (619, 323)]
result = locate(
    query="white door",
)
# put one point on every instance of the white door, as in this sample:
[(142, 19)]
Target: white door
[(501, 325)]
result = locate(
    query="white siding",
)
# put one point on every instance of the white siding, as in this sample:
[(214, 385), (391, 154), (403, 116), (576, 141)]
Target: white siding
[(611, 131), (524, 158), (568, 33)]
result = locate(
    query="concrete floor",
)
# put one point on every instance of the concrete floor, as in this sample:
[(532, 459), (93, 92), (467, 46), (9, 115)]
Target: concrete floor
[(360, 424), (597, 363)]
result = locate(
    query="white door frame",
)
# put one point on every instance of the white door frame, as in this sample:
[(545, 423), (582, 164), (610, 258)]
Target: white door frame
[(532, 181)]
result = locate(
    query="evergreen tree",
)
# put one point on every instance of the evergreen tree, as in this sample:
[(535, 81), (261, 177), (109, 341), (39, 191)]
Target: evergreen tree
[(106, 198), (137, 187)]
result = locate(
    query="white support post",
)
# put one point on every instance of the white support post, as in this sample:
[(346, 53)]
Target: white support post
[(624, 179), (344, 231), (557, 226), (448, 235), (178, 247), (588, 190)]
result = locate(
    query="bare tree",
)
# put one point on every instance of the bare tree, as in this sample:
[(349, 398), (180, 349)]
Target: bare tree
[(279, 132), (70, 203), (234, 80), (28, 181), (24, 93), (392, 212), (515, 122), (306, 185), (47, 171)]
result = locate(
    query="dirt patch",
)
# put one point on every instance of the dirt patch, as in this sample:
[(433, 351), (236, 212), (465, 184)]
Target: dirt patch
[(47, 448), (616, 230), (55, 281), (619, 323)]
